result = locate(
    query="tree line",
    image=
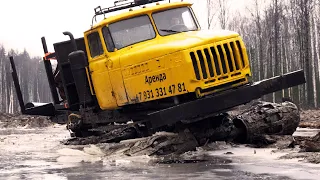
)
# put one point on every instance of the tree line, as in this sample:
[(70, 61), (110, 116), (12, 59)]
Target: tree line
[(281, 36), (32, 77)]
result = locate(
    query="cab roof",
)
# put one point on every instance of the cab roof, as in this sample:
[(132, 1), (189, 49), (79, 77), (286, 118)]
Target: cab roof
[(141, 11)]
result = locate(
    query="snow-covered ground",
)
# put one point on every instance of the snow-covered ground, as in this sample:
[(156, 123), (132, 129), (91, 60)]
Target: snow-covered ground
[(38, 154)]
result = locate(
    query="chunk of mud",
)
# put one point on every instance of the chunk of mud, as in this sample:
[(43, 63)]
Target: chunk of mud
[(309, 144), (17, 120), (310, 124), (304, 156), (217, 145), (163, 144), (183, 159), (218, 128), (310, 115), (310, 119), (273, 141), (307, 149), (115, 135), (313, 158)]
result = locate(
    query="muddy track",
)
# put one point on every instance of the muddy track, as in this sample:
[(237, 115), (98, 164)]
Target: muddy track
[(262, 124)]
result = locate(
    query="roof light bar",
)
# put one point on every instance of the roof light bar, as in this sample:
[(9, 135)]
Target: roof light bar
[(122, 4)]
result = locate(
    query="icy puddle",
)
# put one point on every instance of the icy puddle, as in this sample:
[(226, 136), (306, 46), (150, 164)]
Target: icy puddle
[(38, 154)]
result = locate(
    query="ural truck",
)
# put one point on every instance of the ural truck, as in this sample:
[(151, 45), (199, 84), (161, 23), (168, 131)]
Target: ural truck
[(151, 64)]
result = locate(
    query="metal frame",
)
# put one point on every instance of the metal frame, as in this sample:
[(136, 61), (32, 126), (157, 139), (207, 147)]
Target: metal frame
[(47, 109), (116, 7), (102, 11), (50, 76), (212, 105)]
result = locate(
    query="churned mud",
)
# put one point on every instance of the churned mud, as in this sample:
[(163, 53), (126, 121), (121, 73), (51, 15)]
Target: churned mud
[(34, 148), (259, 125), (307, 140), (262, 124), (305, 148), (17, 120), (310, 119)]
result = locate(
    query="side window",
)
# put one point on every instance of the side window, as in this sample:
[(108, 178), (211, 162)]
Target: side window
[(108, 39), (95, 44)]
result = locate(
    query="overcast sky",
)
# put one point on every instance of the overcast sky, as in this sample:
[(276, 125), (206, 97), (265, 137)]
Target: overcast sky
[(24, 22)]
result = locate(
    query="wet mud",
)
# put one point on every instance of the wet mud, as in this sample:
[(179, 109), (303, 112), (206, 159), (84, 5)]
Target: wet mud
[(17, 120), (38, 153), (262, 124), (307, 149), (310, 119)]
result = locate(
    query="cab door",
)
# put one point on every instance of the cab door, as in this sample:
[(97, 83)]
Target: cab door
[(114, 68), (99, 71)]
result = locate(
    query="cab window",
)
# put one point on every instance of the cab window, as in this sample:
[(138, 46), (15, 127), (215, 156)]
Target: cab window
[(174, 21), (108, 39), (95, 44), (131, 31)]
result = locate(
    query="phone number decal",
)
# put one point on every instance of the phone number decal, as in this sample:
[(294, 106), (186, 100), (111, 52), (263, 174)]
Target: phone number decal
[(161, 91)]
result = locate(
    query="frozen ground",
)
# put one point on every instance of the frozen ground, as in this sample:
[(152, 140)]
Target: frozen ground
[(38, 154)]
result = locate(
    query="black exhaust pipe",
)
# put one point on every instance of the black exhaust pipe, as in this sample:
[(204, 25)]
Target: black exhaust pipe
[(78, 64), (73, 42)]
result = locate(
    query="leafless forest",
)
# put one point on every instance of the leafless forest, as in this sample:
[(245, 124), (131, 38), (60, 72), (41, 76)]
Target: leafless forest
[(32, 78), (281, 36)]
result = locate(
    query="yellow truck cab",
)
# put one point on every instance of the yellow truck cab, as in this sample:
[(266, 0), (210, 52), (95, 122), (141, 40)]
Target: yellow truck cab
[(160, 51)]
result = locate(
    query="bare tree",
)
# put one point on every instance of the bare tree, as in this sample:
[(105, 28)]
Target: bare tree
[(211, 12), (32, 78), (223, 12), (277, 51), (284, 36)]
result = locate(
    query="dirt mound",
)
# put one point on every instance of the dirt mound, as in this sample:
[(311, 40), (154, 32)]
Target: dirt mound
[(310, 119), (310, 115), (18, 120)]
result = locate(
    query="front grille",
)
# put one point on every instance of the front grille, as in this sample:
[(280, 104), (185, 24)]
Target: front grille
[(218, 60)]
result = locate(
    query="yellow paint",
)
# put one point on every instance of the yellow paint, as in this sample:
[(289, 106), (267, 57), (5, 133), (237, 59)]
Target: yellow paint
[(141, 11), (163, 67), (90, 84)]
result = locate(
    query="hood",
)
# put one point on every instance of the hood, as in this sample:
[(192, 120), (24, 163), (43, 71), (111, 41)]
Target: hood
[(173, 43)]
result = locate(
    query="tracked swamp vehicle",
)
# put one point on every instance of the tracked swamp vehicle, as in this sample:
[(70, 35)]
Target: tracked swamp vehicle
[(152, 65)]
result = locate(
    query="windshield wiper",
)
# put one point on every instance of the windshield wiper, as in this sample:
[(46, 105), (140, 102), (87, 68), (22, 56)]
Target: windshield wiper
[(169, 30)]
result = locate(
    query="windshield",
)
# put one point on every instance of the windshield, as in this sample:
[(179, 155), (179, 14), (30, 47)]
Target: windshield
[(131, 31), (174, 21)]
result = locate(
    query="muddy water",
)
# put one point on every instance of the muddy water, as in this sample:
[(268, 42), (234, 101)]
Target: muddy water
[(38, 154)]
